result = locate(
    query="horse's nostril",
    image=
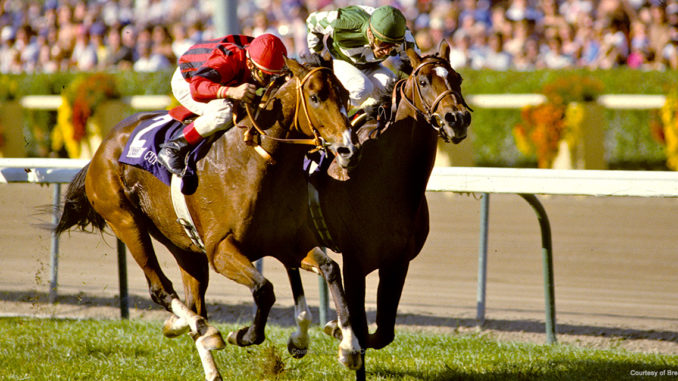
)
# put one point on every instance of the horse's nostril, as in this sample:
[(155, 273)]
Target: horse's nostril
[(344, 151), (467, 118), (450, 118)]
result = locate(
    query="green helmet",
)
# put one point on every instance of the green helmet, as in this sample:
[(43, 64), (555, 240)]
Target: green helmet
[(388, 24)]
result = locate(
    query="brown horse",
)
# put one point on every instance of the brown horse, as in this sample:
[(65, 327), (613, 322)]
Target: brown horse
[(378, 218), (244, 208)]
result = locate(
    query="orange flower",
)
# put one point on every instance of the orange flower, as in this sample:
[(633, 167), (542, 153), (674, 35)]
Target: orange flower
[(544, 125)]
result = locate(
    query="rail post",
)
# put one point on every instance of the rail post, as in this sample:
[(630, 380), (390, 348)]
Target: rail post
[(547, 266), (54, 247), (482, 259)]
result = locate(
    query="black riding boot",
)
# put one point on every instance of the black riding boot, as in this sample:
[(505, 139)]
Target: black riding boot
[(173, 154)]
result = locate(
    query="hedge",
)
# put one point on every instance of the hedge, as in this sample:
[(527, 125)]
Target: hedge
[(629, 143)]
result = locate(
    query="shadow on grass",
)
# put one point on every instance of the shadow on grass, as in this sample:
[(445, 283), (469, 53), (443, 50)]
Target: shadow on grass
[(284, 316)]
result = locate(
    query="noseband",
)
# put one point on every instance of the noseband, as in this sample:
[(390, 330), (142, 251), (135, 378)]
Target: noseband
[(317, 141)]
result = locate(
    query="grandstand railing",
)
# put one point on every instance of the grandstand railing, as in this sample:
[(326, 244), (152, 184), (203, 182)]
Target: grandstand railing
[(613, 101), (527, 183)]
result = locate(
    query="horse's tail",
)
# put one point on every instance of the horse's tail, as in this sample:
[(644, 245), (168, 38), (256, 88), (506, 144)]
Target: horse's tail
[(76, 209)]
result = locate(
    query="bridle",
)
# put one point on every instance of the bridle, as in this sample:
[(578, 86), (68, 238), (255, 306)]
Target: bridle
[(318, 142), (429, 111)]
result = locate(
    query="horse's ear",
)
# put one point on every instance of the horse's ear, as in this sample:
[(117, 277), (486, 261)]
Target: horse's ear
[(444, 49), (294, 66), (414, 57)]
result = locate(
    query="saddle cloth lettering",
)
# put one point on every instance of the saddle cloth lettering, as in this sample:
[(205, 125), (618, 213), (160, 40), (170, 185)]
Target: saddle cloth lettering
[(144, 143)]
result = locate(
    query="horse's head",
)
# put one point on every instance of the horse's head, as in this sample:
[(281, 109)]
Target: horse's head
[(322, 110), (436, 93)]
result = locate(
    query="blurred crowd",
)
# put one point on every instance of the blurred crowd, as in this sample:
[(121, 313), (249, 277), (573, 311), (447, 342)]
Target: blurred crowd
[(148, 35)]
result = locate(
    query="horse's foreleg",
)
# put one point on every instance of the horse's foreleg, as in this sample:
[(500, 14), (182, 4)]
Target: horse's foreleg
[(349, 347), (297, 345), (391, 281), (354, 282), (229, 261)]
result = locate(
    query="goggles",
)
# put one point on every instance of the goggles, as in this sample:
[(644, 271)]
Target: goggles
[(386, 47), (260, 75)]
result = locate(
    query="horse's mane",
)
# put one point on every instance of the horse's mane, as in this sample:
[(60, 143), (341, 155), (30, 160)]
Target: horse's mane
[(311, 60)]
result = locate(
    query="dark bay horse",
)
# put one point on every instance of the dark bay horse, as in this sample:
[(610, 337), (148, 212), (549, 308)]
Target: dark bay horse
[(377, 217), (244, 208)]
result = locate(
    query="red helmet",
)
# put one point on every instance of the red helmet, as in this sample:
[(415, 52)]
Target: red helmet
[(267, 52)]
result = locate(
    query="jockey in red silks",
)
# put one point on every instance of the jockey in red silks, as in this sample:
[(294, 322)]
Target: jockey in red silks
[(212, 74)]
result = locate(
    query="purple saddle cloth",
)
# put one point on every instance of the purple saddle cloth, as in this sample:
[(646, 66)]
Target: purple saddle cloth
[(144, 143)]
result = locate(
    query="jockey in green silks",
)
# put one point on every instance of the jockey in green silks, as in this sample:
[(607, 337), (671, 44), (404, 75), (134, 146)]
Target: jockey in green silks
[(360, 39)]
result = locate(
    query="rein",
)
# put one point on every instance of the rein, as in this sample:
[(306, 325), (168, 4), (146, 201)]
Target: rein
[(317, 141)]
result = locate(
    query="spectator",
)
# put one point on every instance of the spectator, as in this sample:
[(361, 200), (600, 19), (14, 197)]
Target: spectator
[(126, 55), (262, 25), (460, 55), (595, 34), (589, 41), (180, 40), (554, 58), (529, 58), (97, 34), (497, 58), (658, 28), (150, 60), (162, 43), (84, 55), (7, 38), (670, 51), (27, 47)]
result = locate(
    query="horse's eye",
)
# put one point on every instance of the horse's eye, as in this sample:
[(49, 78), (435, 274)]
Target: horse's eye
[(313, 98), (423, 82)]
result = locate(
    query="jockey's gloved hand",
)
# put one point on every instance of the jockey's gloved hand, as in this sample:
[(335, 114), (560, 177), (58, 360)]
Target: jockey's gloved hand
[(244, 92)]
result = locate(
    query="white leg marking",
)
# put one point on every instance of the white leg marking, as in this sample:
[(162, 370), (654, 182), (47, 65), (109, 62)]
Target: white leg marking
[(186, 314), (349, 348), (302, 315), (175, 326), (208, 364)]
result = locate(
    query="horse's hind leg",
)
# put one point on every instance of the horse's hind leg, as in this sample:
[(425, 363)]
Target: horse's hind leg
[(349, 347), (129, 229), (229, 261), (391, 281), (297, 345)]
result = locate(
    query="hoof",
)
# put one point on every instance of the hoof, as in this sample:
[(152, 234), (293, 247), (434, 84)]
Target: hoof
[(295, 351), (174, 327), (241, 339), (350, 359), (211, 339), (332, 329), (232, 338)]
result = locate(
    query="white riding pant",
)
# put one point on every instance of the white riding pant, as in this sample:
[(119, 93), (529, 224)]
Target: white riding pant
[(362, 84), (213, 116)]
